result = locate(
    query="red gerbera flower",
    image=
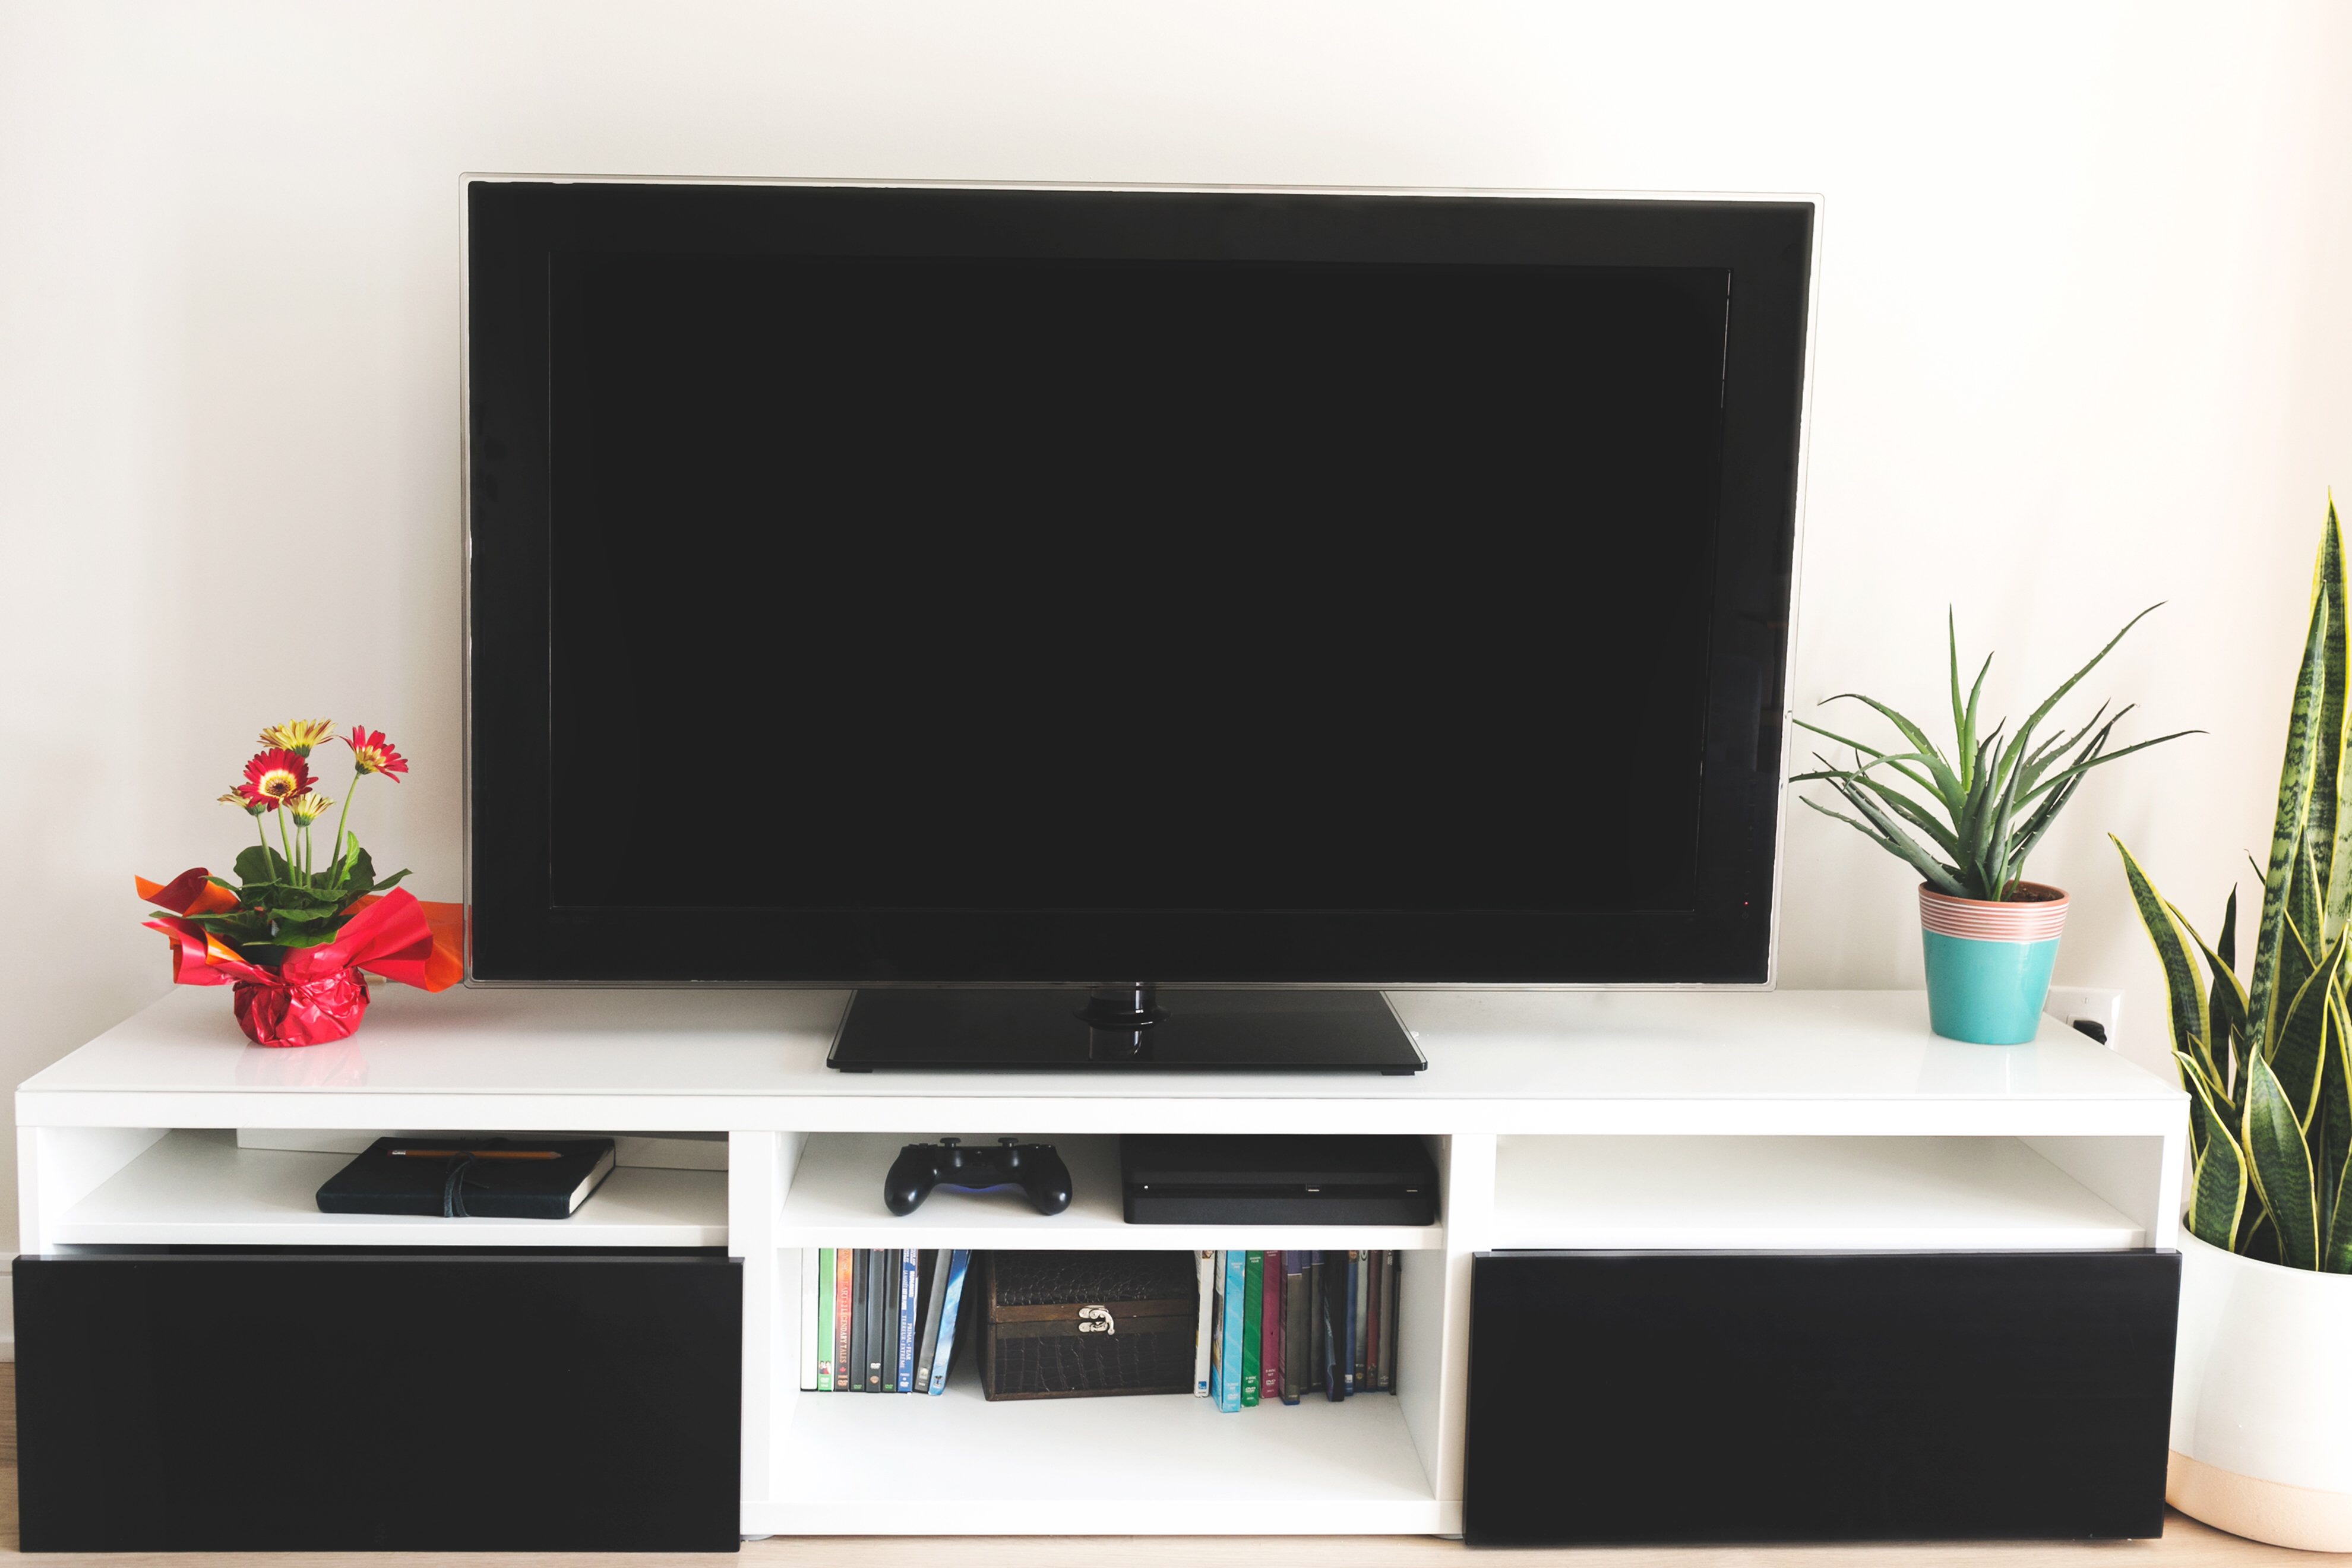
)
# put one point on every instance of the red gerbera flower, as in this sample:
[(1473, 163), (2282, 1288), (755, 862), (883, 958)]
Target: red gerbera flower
[(371, 753), (275, 776)]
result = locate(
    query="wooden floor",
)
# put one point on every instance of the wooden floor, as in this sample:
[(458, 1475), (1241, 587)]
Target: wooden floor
[(2186, 1544)]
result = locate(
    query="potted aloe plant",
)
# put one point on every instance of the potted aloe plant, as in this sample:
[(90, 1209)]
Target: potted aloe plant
[(1991, 935), (2262, 1401)]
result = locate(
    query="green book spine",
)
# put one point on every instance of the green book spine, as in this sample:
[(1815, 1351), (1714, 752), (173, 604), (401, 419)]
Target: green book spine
[(824, 1320), (1253, 1316)]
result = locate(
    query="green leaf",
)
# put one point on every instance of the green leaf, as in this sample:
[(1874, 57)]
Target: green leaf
[(1960, 713), (1969, 723), (1889, 831), (2217, 1187), (293, 896), (1948, 783), (2287, 825), (2068, 774), (256, 865), (2196, 1133), (2257, 1237), (1909, 810), (391, 881), (236, 927), (1964, 717), (2053, 699), (2001, 872), (2337, 875), (1902, 848), (1967, 822), (2335, 1257), (301, 917), (1898, 760), (2225, 1002), (2295, 1056), (2007, 770), (2064, 742), (359, 874), (2302, 900), (2029, 835), (2282, 1167), (2184, 993), (2297, 965), (2327, 779), (2330, 1137)]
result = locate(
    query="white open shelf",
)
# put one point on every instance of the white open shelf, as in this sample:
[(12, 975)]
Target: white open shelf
[(835, 1200), (861, 1464), (1864, 1193), (197, 1187)]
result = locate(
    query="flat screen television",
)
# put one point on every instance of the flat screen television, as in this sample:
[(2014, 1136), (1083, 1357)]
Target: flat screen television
[(968, 594)]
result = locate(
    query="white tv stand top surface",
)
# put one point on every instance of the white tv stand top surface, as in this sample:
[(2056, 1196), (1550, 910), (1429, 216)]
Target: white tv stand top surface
[(1788, 1062)]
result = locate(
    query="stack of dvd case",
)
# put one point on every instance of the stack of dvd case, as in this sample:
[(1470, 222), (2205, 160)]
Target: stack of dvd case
[(1280, 1326), (1274, 1327), (879, 1320)]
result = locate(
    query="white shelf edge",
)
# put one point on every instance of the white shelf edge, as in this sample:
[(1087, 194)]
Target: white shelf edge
[(1122, 1238), (1110, 1516), (396, 1232), (2123, 1238)]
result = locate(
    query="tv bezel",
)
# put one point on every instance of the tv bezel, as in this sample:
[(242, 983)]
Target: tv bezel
[(517, 936)]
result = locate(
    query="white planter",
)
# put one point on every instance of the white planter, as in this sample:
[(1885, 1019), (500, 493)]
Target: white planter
[(2261, 1400)]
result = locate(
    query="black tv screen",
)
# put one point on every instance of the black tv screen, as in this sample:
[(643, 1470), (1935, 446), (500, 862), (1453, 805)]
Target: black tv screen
[(932, 585)]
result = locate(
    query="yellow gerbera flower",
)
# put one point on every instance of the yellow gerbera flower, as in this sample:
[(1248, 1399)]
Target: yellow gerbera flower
[(299, 735), (308, 808)]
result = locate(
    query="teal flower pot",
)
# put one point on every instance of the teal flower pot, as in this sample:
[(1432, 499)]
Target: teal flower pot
[(1989, 964)]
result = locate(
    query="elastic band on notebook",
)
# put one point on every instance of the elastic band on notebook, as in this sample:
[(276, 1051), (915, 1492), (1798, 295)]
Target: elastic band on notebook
[(453, 1192)]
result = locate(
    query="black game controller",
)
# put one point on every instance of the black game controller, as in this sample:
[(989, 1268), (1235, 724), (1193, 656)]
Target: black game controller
[(1034, 1168)]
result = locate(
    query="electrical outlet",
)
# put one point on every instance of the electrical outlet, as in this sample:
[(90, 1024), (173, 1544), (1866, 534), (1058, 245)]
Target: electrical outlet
[(2078, 1006)]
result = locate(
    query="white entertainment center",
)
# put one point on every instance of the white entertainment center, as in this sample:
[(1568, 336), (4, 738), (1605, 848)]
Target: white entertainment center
[(1754, 1121)]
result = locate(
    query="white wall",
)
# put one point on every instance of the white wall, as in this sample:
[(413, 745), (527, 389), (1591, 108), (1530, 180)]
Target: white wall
[(2083, 343)]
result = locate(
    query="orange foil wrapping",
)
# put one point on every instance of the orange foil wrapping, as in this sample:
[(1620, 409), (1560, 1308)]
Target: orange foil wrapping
[(318, 994)]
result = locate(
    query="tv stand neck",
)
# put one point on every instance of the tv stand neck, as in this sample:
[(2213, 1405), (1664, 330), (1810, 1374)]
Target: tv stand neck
[(1124, 1006)]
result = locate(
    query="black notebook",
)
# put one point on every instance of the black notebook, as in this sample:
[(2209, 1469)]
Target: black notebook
[(478, 1178)]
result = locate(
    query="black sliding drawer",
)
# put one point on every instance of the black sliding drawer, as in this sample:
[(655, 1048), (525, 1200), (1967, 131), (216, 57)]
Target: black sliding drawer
[(298, 1399), (1666, 1397)]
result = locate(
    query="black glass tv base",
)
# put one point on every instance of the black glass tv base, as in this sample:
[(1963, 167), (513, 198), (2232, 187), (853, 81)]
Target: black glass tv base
[(1122, 1028)]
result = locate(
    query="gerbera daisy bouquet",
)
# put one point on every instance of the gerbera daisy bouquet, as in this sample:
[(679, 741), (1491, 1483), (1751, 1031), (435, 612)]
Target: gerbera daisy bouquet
[(306, 913)]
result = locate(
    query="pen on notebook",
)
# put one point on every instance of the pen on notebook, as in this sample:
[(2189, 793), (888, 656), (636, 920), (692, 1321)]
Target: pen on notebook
[(477, 1154)]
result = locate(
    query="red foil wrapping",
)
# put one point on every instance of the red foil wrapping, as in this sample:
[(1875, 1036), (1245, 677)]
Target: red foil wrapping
[(318, 994), (274, 1013)]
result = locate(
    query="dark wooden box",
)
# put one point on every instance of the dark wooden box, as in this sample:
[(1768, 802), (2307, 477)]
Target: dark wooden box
[(1071, 1325)]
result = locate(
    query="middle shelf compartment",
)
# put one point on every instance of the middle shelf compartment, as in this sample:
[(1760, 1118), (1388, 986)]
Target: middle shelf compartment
[(958, 1463), (834, 1199)]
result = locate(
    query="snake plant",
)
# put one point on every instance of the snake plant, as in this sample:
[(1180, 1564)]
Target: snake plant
[(2268, 1062), (1989, 802)]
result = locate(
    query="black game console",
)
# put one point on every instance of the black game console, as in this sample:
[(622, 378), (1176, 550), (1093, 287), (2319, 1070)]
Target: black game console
[(1276, 1179)]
